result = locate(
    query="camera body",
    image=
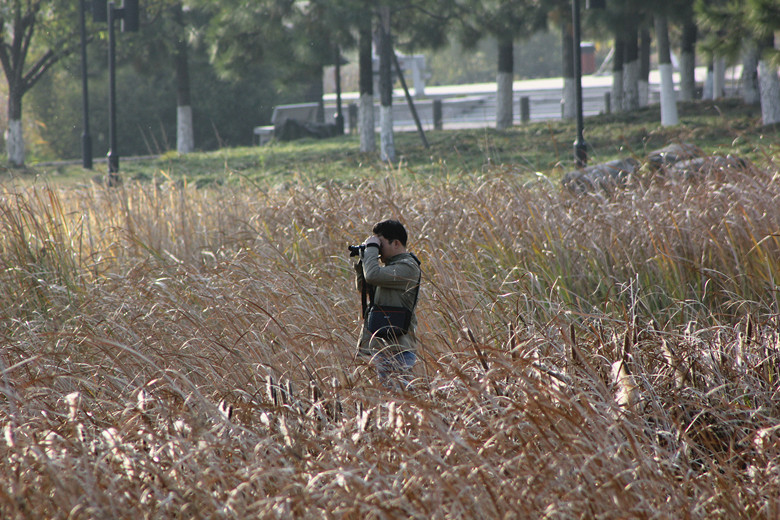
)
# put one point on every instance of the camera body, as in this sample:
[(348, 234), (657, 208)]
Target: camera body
[(356, 250)]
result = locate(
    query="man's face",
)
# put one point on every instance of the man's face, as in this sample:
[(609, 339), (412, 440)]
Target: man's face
[(385, 248)]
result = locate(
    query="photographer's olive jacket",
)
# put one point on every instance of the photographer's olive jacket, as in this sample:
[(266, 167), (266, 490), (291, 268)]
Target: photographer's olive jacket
[(394, 284)]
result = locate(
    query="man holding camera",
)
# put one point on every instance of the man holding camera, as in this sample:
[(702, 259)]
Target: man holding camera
[(389, 300)]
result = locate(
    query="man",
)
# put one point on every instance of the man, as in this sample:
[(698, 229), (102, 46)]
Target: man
[(396, 284)]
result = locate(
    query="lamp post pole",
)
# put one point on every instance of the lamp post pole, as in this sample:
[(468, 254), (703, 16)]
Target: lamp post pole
[(337, 77), (113, 154), (86, 139), (129, 14), (580, 146)]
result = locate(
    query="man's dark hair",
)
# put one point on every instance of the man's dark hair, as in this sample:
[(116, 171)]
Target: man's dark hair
[(391, 230)]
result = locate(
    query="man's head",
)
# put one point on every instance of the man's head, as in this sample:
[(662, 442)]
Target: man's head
[(392, 230), (392, 238)]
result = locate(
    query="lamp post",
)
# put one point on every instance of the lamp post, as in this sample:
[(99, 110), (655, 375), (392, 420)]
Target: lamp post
[(86, 139), (339, 119), (128, 13), (113, 154), (580, 146)]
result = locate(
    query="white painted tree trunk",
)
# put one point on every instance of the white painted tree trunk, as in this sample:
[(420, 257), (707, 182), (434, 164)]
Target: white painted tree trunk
[(687, 76), (367, 124), (14, 143), (569, 92), (750, 90), (387, 151), (769, 85), (617, 91), (718, 78), (185, 137), (669, 115), (644, 93), (503, 100), (631, 85), (707, 90)]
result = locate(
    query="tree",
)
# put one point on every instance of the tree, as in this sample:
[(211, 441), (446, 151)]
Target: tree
[(507, 21), (731, 24), (749, 80), (669, 115), (366, 72), (687, 51), (185, 134), (645, 43), (764, 17), (386, 139), (163, 43), (563, 15), (612, 20), (41, 32)]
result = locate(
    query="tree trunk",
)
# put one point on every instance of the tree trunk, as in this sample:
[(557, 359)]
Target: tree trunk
[(718, 77), (631, 66), (14, 138), (688, 62), (366, 109), (707, 90), (185, 138), (617, 75), (750, 89), (644, 67), (569, 110), (770, 92), (669, 115), (387, 144), (504, 89), (769, 85)]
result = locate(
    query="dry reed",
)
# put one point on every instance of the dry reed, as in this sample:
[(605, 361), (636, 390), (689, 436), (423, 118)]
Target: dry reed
[(173, 352)]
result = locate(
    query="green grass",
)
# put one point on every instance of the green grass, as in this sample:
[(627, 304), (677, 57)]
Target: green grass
[(717, 127)]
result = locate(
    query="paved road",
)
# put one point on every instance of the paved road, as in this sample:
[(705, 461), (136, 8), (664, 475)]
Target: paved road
[(474, 105)]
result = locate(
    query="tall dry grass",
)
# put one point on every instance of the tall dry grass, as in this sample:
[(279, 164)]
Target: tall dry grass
[(173, 352)]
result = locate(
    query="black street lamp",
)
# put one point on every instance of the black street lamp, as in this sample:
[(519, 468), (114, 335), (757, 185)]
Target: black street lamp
[(339, 117), (128, 14), (86, 139), (580, 146)]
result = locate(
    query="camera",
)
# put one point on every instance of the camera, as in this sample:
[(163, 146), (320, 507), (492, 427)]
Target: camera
[(355, 250)]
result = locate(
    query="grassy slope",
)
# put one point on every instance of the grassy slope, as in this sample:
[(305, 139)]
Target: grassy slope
[(722, 127)]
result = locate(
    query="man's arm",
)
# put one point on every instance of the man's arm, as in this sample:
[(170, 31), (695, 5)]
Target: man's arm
[(397, 276)]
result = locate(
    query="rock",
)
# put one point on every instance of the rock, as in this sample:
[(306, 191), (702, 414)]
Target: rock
[(674, 162), (671, 154), (706, 166), (605, 176)]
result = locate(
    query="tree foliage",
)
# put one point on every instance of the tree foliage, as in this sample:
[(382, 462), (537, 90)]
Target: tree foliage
[(249, 55)]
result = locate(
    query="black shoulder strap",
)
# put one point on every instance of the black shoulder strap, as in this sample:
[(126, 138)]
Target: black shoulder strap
[(366, 296)]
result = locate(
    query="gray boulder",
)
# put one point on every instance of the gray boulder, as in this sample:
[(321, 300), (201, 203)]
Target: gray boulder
[(604, 176), (709, 166), (672, 154)]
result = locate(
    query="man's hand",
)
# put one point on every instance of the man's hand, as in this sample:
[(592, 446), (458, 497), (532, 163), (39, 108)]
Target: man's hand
[(373, 239)]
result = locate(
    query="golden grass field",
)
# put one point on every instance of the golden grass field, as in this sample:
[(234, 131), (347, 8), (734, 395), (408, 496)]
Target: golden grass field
[(172, 352)]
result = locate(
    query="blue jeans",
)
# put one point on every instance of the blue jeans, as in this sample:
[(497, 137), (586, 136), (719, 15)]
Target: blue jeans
[(397, 366)]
